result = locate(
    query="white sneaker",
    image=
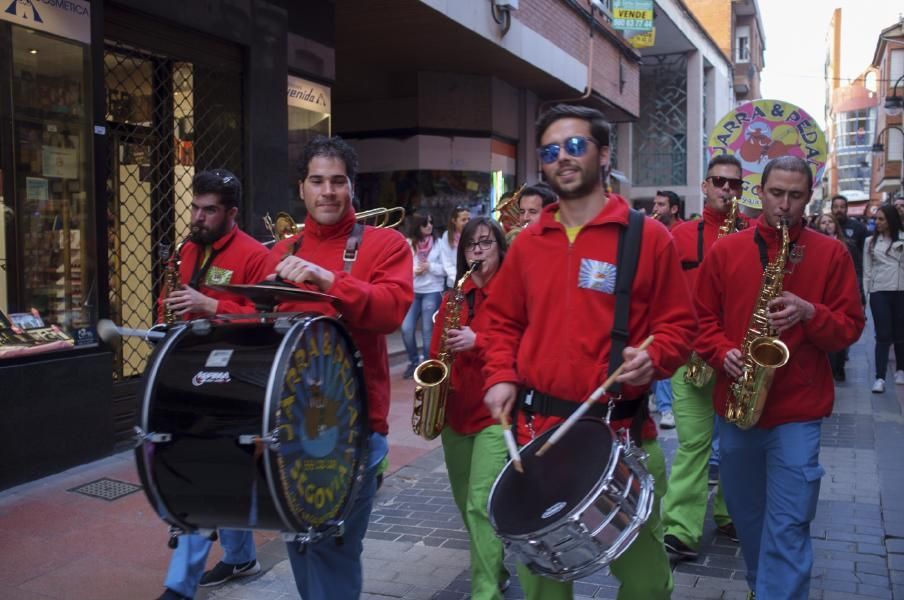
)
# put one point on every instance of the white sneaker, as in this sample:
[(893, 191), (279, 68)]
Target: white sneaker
[(899, 377), (667, 420), (879, 386)]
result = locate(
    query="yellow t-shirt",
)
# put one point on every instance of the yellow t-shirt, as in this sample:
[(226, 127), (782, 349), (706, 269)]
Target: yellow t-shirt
[(571, 232)]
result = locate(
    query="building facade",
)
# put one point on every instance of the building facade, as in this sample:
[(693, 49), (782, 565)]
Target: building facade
[(888, 165)]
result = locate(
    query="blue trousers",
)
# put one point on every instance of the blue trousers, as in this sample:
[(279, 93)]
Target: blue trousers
[(187, 562), (771, 486), (663, 392), (331, 570), (423, 307)]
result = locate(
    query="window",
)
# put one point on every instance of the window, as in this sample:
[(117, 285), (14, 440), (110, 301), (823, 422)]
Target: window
[(742, 44), (895, 67)]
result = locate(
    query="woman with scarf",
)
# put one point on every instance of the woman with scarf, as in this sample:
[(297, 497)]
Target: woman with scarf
[(429, 277)]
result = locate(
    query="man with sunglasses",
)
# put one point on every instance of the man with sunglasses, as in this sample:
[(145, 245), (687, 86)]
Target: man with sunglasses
[(538, 338), (684, 507)]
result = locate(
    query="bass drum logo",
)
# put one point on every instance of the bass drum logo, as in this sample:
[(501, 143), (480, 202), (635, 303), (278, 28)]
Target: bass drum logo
[(202, 377)]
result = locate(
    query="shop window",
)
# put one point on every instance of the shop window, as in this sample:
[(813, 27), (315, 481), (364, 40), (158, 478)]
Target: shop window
[(47, 268)]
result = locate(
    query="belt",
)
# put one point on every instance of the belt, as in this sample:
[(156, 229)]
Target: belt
[(533, 402)]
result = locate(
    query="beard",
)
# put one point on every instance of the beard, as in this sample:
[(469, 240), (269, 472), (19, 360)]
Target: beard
[(206, 237), (582, 188)]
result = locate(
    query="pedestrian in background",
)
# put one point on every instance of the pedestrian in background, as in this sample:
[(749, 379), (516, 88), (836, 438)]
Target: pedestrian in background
[(883, 280), (448, 241), (429, 278)]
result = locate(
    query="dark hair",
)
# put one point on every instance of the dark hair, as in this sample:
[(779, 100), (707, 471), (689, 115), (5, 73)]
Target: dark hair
[(419, 219), (788, 163), (894, 226), (221, 182), (599, 127), (542, 189), (329, 147), (839, 197), (450, 228), (724, 159), (674, 200), (467, 236)]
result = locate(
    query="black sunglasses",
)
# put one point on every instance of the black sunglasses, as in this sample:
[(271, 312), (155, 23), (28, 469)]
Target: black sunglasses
[(576, 145), (720, 182)]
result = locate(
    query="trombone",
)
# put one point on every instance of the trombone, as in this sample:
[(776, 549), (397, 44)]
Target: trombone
[(284, 226)]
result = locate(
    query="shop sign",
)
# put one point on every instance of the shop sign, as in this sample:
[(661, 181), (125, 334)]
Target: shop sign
[(308, 95), (65, 18), (632, 14), (642, 39)]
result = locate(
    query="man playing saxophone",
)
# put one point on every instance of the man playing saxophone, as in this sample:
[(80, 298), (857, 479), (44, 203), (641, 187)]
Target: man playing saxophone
[(771, 470), (684, 506), (473, 445)]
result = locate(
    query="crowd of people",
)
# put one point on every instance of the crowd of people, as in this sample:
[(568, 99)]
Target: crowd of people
[(523, 353)]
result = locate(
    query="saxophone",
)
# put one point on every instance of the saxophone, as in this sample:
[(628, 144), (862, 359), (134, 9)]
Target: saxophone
[(763, 351), (698, 372), (170, 279), (432, 376), (510, 215)]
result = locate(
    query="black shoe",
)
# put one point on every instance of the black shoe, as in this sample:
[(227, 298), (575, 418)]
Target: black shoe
[(171, 595), (679, 549), (713, 475), (838, 375), (504, 584), (409, 371), (222, 572), (729, 531)]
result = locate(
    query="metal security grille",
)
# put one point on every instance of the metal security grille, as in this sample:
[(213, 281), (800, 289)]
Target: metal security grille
[(166, 120), (661, 156)]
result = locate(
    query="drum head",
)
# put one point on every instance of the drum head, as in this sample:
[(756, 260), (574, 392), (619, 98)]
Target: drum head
[(554, 484), (319, 408)]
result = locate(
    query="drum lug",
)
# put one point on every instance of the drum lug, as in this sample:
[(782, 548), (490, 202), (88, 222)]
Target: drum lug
[(155, 438), (282, 325), (201, 327), (271, 439)]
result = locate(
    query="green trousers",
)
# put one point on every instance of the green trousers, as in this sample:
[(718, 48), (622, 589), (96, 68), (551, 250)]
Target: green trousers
[(643, 569), (684, 506), (473, 463)]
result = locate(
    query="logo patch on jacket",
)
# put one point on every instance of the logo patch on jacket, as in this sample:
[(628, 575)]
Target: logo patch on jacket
[(597, 275), (218, 276)]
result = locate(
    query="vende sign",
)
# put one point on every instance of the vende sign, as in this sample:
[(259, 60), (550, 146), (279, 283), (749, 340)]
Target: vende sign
[(65, 18)]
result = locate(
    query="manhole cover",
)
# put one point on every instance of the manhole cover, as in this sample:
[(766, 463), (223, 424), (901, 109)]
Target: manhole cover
[(106, 489)]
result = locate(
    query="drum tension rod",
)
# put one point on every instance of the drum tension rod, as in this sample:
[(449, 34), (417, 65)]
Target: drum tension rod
[(153, 437), (271, 440)]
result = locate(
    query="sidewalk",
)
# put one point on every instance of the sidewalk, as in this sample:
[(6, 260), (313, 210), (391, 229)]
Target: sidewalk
[(56, 544)]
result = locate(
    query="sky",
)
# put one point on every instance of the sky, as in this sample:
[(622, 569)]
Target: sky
[(796, 34)]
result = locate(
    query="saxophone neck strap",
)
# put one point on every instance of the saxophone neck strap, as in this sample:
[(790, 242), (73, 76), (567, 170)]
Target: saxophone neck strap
[(764, 248)]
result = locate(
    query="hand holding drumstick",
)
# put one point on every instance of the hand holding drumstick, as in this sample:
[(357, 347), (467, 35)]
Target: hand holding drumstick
[(585, 406)]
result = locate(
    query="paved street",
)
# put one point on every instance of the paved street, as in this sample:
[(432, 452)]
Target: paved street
[(56, 544)]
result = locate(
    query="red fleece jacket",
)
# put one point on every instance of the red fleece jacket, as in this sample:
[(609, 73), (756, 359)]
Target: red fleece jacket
[(466, 413), (550, 317), (686, 239), (727, 290), (373, 298), (237, 260)]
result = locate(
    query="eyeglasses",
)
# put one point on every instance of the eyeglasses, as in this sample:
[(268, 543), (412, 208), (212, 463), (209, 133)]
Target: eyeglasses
[(485, 244), (574, 146), (720, 182)]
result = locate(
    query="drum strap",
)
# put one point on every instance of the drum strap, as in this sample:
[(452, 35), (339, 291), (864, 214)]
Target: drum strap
[(533, 402), (351, 247)]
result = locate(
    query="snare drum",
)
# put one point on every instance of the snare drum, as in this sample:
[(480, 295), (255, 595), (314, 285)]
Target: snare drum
[(254, 426), (578, 507)]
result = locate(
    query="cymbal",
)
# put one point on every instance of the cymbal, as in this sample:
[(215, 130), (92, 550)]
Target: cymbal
[(272, 292)]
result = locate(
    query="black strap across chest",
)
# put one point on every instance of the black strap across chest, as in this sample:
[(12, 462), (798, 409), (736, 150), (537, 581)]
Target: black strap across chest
[(199, 272), (352, 244), (629, 239), (687, 265)]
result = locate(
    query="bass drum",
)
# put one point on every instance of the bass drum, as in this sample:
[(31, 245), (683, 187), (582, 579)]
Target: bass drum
[(254, 426)]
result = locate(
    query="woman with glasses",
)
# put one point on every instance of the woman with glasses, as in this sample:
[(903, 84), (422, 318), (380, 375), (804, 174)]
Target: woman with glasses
[(448, 242), (429, 277), (472, 440), (883, 280)]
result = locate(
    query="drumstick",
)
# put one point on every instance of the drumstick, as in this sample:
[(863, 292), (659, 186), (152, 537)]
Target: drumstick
[(510, 443), (585, 406)]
